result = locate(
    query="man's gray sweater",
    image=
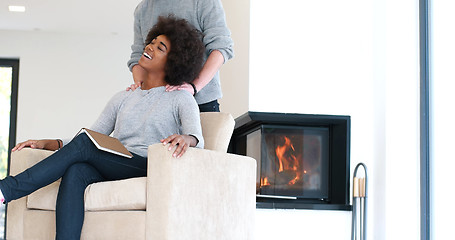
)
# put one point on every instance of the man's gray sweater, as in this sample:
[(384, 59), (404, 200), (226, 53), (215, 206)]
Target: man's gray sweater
[(205, 15)]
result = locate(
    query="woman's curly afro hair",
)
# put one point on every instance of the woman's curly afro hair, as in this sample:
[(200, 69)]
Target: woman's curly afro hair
[(184, 60)]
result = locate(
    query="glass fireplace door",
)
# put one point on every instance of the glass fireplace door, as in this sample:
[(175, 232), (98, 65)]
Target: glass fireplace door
[(293, 160)]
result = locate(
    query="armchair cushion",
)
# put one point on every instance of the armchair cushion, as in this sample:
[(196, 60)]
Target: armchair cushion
[(128, 194)]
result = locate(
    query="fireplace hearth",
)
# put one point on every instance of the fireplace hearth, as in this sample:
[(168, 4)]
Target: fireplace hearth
[(302, 159)]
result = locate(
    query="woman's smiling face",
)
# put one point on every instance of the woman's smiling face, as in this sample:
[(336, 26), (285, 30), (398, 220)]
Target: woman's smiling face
[(155, 54)]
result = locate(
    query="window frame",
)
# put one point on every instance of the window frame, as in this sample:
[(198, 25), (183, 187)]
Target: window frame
[(424, 121), (14, 64)]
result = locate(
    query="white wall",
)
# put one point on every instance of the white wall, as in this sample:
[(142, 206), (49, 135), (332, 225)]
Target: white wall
[(357, 58), (235, 73), (65, 80)]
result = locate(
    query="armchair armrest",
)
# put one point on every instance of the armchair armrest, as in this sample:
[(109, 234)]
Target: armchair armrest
[(25, 158), (20, 161), (204, 194)]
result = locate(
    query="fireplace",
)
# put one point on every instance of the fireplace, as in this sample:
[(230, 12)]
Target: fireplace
[(302, 159), (293, 162)]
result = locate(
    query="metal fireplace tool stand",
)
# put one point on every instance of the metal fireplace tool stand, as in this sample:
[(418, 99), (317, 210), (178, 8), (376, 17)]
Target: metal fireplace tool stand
[(359, 196)]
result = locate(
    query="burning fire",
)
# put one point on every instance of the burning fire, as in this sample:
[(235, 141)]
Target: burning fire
[(265, 181), (288, 163), (292, 162)]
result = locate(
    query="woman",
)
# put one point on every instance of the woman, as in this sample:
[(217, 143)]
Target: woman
[(173, 55), (207, 16)]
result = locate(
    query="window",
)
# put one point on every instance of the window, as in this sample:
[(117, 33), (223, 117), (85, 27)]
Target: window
[(9, 73)]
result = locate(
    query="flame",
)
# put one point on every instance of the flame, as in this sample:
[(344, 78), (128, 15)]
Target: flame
[(265, 181), (287, 159)]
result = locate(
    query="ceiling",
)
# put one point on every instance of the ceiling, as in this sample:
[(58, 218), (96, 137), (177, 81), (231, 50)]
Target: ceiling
[(81, 16)]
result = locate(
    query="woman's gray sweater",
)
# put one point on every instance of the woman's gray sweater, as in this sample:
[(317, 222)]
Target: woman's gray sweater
[(143, 117)]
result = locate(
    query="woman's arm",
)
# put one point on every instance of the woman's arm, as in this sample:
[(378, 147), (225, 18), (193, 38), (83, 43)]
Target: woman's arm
[(190, 128), (105, 123), (183, 142), (47, 144)]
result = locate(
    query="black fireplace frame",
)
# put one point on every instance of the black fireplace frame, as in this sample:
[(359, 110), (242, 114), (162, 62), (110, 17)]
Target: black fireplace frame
[(339, 161)]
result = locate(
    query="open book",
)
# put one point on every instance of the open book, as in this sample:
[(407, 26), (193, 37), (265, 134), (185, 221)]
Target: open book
[(106, 143)]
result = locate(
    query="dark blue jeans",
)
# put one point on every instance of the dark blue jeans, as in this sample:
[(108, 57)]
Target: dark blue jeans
[(79, 164), (212, 106)]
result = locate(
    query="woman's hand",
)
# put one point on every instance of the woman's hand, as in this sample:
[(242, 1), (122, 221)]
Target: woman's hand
[(186, 86), (181, 141), (38, 144)]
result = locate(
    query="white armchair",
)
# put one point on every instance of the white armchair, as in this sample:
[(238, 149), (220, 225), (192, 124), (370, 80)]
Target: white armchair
[(206, 194)]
